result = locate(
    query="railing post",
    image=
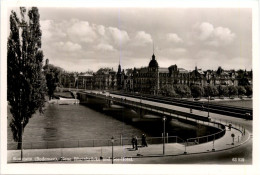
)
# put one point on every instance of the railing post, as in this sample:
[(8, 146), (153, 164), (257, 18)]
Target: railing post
[(185, 152), (213, 149)]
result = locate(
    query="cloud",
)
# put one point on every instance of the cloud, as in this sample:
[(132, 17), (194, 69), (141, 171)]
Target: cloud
[(142, 38), (224, 34), (173, 51), (81, 30), (205, 30), (101, 30), (174, 37), (105, 47), (100, 35), (171, 55), (51, 30), (118, 36), (68, 46), (213, 36)]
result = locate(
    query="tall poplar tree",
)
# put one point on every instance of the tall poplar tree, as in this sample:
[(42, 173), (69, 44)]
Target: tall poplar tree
[(26, 85)]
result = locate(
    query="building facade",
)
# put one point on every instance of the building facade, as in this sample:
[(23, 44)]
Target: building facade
[(153, 78), (105, 79)]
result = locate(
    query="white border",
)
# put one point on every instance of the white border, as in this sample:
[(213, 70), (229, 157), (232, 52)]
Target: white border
[(129, 169)]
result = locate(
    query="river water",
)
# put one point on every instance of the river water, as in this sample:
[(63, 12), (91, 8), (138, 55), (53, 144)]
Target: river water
[(79, 122)]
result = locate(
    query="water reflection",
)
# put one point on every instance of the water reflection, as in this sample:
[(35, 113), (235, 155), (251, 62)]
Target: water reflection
[(78, 122)]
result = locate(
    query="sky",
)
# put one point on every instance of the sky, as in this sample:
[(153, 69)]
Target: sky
[(82, 39)]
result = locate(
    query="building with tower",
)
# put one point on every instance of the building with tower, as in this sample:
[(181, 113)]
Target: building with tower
[(153, 78), (120, 78)]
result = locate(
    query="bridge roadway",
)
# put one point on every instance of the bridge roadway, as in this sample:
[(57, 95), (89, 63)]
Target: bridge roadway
[(199, 113), (156, 108), (234, 111)]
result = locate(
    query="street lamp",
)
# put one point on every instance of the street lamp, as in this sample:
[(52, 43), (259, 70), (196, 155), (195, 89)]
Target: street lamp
[(208, 106), (164, 119), (185, 152), (21, 140), (213, 149), (112, 141)]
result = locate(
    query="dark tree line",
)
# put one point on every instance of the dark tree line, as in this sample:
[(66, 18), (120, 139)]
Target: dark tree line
[(197, 91)]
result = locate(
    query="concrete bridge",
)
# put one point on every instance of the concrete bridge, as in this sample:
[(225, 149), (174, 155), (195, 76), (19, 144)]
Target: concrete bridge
[(116, 102)]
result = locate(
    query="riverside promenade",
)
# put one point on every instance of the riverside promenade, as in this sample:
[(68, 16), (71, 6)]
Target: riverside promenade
[(126, 154)]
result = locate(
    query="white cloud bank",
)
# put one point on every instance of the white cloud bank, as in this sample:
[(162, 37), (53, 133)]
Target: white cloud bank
[(142, 39), (213, 36), (174, 37)]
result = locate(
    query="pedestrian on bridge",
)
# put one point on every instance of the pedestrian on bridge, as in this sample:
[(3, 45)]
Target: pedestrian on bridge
[(144, 142), (133, 142), (136, 144)]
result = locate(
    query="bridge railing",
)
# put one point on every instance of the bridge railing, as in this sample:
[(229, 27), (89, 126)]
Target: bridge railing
[(92, 143)]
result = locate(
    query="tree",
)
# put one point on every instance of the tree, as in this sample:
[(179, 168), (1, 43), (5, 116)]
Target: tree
[(232, 91), (182, 90), (248, 90), (196, 91), (241, 90), (211, 91), (223, 90), (168, 90), (219, 71), (53, 76), (25, 80), (242, 78)]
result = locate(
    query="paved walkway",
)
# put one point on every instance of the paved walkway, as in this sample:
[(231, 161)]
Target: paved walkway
[(124, 153)]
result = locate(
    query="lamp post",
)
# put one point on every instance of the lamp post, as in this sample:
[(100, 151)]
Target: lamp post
[(112, 141), (213, 149), (186, 142), (208, 106), (21, 140), (164, 119)]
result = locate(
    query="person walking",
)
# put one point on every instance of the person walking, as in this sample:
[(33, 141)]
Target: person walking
[(133, 142), (144, 142), (136, 144)]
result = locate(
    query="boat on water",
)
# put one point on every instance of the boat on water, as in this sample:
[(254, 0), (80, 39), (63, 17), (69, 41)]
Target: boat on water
[(64, 101)]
